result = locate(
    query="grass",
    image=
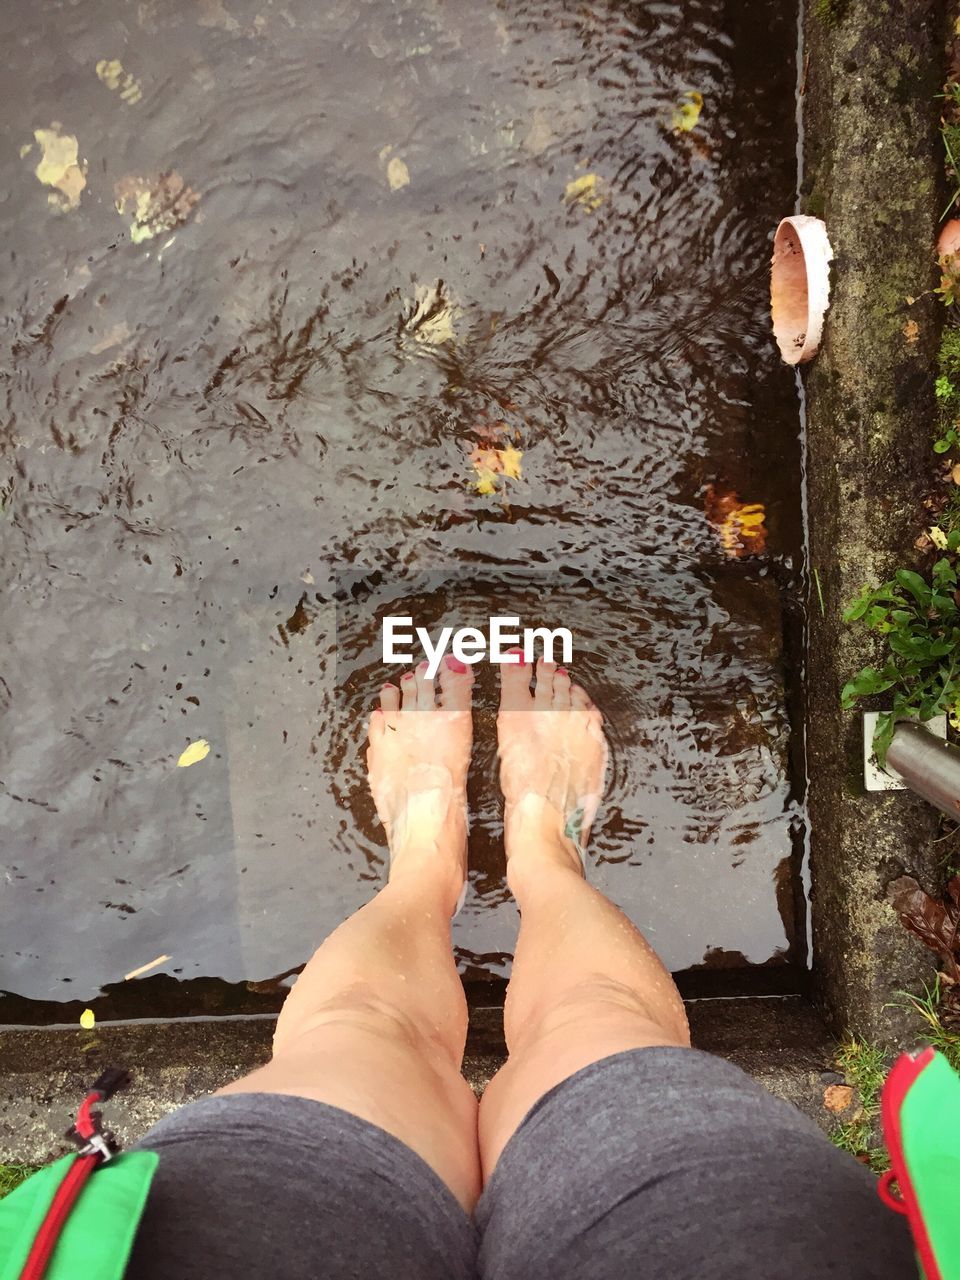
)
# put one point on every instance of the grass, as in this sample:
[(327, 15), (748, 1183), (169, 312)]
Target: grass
[(928, 1006), (11, 1175), (864, 1066)]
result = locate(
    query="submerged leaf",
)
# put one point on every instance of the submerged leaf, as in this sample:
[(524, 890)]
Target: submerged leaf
[(490, 462), (159, 204), (740, 526), (398, 175), (193, 754), (585, 191), (686, 115), (433, 315), (112, 74), (60, 167)]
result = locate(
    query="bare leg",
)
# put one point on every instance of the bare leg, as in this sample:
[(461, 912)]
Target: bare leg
[(377, 1021), (585, 983)]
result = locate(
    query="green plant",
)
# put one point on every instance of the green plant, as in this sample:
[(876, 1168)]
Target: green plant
[(829, 12), (948, 289), (950, 137), (11, 1175), (920, 621), (864, 1067), (930, 1008)]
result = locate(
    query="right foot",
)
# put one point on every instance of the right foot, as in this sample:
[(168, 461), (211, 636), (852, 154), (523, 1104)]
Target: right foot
[(417, 761), (553, 756)]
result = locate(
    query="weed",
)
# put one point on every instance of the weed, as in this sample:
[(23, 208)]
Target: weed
[(920, 621), (864, 1067), (928, 1006), (950, 137)]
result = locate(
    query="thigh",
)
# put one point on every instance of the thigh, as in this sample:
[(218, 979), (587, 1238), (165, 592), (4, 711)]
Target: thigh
[(670, 1162), (263, 1185)]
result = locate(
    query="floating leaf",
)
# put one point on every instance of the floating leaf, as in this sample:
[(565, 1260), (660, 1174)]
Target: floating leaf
[(740, 525), (585, 191), (686, 115), (398, 175), (88, 1019), (112, 74), (158, 205), (60, 167), (193, 754)]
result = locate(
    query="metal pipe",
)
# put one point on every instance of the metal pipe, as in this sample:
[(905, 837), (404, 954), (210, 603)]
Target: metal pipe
[(927, 765)]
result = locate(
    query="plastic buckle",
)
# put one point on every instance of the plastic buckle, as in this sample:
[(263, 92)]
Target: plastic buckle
[(101, 1144)]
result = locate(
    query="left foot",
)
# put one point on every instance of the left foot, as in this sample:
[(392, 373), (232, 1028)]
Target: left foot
[(417, 762)]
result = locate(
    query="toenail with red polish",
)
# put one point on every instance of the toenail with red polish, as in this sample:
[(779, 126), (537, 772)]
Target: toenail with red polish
[(408, 675), (562, 671), (456, 665), (388, 685)]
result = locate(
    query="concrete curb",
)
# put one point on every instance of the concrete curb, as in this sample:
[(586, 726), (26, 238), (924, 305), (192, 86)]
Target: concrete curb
[(44, 1071), (872, 163)]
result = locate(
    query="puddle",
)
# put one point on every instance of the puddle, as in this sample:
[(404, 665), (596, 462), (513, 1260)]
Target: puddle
[(321, 267)]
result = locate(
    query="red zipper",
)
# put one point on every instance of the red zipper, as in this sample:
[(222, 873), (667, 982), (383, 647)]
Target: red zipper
[(904, 1075), (46, 1238)]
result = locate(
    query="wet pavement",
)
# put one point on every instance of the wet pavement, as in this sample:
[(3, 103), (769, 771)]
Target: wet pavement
[(432, 309)]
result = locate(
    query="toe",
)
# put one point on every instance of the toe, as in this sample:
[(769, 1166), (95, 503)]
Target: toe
[(561, 689), (515, 683), (377, 725), (456, 685), (408, 690), (389, 700), (426, 694), (579, 698), (543, 695)]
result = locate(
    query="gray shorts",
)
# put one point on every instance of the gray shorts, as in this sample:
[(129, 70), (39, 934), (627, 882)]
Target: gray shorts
[(652, 1163)]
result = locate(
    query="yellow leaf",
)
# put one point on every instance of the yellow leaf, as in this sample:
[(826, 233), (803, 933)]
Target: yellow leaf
[(585, 192), (486, 482), (433, 316), (60, 166), (88, 1020), (686, 115), (739, 525), (510, 461), (938, 537), (196, 752), (398, 175)]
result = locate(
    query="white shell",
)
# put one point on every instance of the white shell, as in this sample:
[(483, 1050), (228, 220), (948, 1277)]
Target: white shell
[(799, 286)]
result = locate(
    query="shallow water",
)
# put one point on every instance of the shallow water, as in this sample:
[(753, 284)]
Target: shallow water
[(212, 436)]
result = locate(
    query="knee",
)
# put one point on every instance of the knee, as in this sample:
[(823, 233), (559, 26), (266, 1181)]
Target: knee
[(360, 1008), (598, 1002)]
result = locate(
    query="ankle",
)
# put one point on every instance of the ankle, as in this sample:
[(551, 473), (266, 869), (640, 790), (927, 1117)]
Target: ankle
[(535, 836)]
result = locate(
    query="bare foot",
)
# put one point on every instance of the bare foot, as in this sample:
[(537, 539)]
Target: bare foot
[(417, 761), (553, 757)]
